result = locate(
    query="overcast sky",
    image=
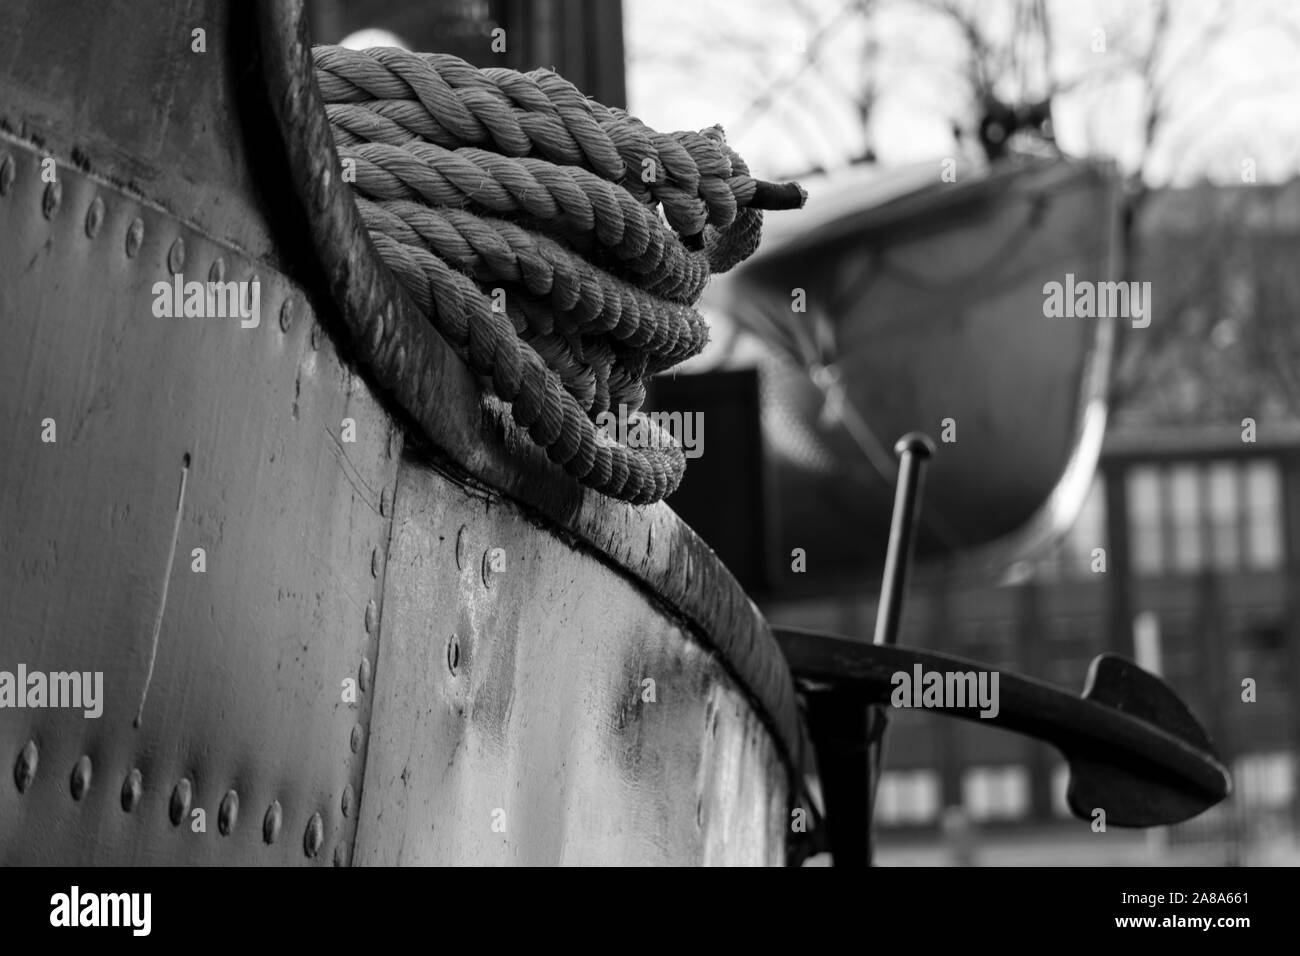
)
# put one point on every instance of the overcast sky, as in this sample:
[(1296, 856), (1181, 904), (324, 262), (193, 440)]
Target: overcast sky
[(692, 63)]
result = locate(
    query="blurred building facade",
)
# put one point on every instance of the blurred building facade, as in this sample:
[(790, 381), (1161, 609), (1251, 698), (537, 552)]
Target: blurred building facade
[(1193, 543), (1186, 557)]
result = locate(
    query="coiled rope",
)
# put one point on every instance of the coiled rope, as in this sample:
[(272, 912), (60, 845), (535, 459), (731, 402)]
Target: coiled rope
[(559, 245)]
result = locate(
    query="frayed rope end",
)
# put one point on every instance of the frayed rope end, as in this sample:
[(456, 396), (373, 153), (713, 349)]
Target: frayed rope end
[(774, 196)]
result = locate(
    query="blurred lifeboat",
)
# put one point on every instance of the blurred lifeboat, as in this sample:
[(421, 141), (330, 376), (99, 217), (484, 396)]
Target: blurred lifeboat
[(903, 301)]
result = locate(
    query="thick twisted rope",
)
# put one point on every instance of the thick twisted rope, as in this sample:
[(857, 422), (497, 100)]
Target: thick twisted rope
[(525, 220)]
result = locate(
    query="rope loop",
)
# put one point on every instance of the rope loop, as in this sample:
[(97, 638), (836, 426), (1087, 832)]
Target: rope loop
[(557, 244)]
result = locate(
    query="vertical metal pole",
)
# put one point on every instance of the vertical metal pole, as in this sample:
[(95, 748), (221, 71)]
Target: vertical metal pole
[(913, 450), (1120, 576), (1030, 629)]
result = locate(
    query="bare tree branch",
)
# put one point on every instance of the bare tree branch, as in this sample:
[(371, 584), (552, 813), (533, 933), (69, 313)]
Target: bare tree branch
[(812, 51)]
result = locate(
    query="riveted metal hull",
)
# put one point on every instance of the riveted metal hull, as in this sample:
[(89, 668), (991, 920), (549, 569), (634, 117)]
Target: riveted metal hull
[(285, 695), (548, 713), (251, 651)]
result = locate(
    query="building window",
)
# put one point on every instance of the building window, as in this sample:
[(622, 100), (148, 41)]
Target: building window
[(908, 797), (1185, 517), (1144, 509), (1265, 779), (1222, 495), (1184, 509), (1263, 507), (996, 793)]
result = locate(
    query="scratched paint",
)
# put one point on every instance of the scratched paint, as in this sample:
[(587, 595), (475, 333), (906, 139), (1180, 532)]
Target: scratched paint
[(547, 718), (244, 696), (245, 693)]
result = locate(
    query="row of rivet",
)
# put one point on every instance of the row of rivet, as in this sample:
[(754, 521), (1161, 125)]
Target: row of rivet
[(371, 623), (52, 199), (179, 805), (133, 786)]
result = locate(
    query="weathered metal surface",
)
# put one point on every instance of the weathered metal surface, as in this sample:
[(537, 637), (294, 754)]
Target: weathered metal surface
[(473, 432), (123, 91), (168, 160), (548, 712), (211, 435)]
